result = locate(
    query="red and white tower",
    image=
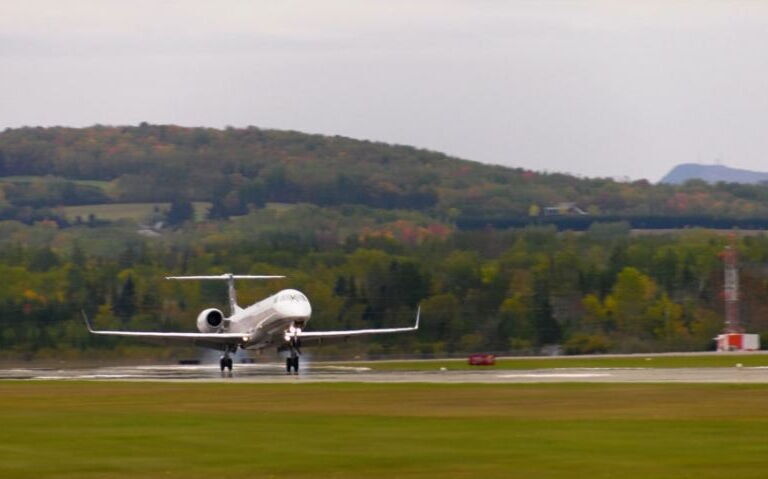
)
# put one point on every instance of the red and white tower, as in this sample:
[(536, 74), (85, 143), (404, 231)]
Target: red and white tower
[(733, 337), (731, 291)]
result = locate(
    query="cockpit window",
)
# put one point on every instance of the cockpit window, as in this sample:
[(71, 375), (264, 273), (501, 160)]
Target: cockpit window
[(294, 296)]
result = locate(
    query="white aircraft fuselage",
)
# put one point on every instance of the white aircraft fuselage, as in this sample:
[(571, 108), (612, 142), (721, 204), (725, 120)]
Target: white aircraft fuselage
[(266, 322)]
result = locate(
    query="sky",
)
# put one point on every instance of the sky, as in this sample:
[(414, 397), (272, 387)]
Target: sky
[(619, 88)]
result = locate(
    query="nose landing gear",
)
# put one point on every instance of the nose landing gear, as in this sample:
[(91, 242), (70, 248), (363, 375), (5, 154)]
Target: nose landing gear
[(292, 362), (294, 346)]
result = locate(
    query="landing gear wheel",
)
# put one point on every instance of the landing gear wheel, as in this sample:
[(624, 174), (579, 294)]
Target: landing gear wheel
[(292, 363), (225, 363)]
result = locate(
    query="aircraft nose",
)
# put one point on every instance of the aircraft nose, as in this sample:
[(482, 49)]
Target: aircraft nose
[(295, 309)]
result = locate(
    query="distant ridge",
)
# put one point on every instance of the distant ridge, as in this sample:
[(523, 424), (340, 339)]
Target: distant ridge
[(712, 174)]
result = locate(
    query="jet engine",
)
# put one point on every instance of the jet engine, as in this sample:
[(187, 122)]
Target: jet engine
[(210, 321)]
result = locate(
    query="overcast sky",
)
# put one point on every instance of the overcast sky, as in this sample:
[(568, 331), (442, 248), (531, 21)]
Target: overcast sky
[(619, 88)]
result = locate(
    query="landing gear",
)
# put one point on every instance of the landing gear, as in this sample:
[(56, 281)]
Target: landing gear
[(225, 363), (292, 363), (292, 344)]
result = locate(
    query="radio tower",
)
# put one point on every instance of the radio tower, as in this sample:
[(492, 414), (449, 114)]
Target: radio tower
[(731, 291)]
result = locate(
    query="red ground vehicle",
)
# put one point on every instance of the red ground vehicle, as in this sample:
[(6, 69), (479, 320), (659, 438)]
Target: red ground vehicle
[(482, 360)]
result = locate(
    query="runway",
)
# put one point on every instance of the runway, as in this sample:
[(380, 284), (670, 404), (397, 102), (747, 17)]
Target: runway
[(319, 372)]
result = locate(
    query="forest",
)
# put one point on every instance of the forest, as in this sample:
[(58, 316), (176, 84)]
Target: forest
[(369, 232), (519, 291)]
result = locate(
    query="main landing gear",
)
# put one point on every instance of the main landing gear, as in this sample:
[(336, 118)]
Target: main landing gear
[(225, 363)]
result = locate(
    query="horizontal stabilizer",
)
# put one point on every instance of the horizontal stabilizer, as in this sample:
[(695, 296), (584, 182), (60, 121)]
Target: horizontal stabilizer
[(225, 277), (230, 279)]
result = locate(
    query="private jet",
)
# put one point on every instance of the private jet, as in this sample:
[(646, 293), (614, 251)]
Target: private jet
[(277, 321)]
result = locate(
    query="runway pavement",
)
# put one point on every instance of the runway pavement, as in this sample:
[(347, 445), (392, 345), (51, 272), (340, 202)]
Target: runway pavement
[(319, 372)]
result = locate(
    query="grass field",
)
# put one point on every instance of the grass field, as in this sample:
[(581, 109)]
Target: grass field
[(192, 430), (105, 185), (634, 361), (131, 211)]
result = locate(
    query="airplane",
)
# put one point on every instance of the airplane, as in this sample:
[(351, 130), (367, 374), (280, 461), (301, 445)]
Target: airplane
[(276, 321)]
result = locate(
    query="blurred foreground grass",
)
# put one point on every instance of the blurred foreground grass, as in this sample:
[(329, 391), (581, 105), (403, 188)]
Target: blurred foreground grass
[(194, 430)]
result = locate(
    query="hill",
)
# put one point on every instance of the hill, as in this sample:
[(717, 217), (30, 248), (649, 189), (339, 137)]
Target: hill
[(712, 174), (237, 170)]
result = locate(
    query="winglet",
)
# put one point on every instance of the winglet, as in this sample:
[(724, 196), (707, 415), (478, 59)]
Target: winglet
[(87, 321), (418, 314)]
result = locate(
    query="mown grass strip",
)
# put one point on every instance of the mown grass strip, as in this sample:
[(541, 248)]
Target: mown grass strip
[(191, 430)]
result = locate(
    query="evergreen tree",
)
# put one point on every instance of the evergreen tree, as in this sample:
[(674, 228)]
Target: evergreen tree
[(181, 211), (43, 260), (125, 303), (78, 255), (547, 329)]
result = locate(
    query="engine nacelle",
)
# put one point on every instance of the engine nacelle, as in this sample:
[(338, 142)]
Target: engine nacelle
[(210, 321)]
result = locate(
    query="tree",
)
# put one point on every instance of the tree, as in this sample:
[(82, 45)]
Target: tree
[(665, 316), (125, 304), (547, 329), (43, 260), (515, 321), (78, 255), (461, 271), (180, 211), (445, 322), (632, 295), (597, 317)]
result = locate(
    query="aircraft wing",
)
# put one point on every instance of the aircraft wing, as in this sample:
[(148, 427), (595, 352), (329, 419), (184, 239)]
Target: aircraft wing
[(318, 337), (211, 340)]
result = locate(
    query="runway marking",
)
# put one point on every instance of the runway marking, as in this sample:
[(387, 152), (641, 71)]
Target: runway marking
[(554, 376), (346, 368), (88, 376), (604, 369)]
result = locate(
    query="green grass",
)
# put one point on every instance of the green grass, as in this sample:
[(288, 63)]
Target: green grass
[(105, 185), (193, 430), (280, 207), (114, 212), (130, 211), (635, 361)]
